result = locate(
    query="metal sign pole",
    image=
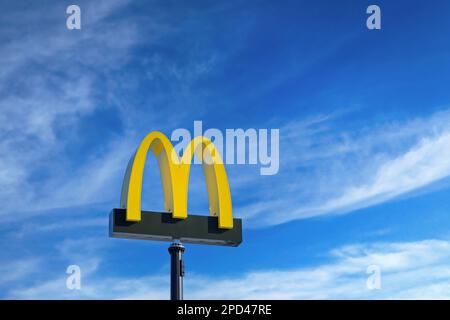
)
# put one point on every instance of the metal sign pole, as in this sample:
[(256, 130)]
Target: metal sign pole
[(176, 250)]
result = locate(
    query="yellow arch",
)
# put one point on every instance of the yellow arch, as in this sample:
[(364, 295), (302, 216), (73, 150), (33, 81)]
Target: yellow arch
[(175, 178)]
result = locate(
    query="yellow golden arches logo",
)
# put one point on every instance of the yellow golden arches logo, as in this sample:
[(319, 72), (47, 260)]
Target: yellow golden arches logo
[(175, 178)]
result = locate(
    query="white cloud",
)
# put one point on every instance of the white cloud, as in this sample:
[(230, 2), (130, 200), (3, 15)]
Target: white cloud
[(14, 271), (48, 82), (404, 267), (409, 270), (427, 162), (338, 171), (54, 81)]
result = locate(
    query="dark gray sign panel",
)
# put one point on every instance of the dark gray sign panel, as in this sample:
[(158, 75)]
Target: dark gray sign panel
[(161, 226)]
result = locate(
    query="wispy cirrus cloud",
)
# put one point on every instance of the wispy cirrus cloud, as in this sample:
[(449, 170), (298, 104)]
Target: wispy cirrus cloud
[(340, 171), (49, 82), (17, 270)]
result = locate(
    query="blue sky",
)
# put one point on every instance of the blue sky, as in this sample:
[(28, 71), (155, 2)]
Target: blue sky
[(364, 119)]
